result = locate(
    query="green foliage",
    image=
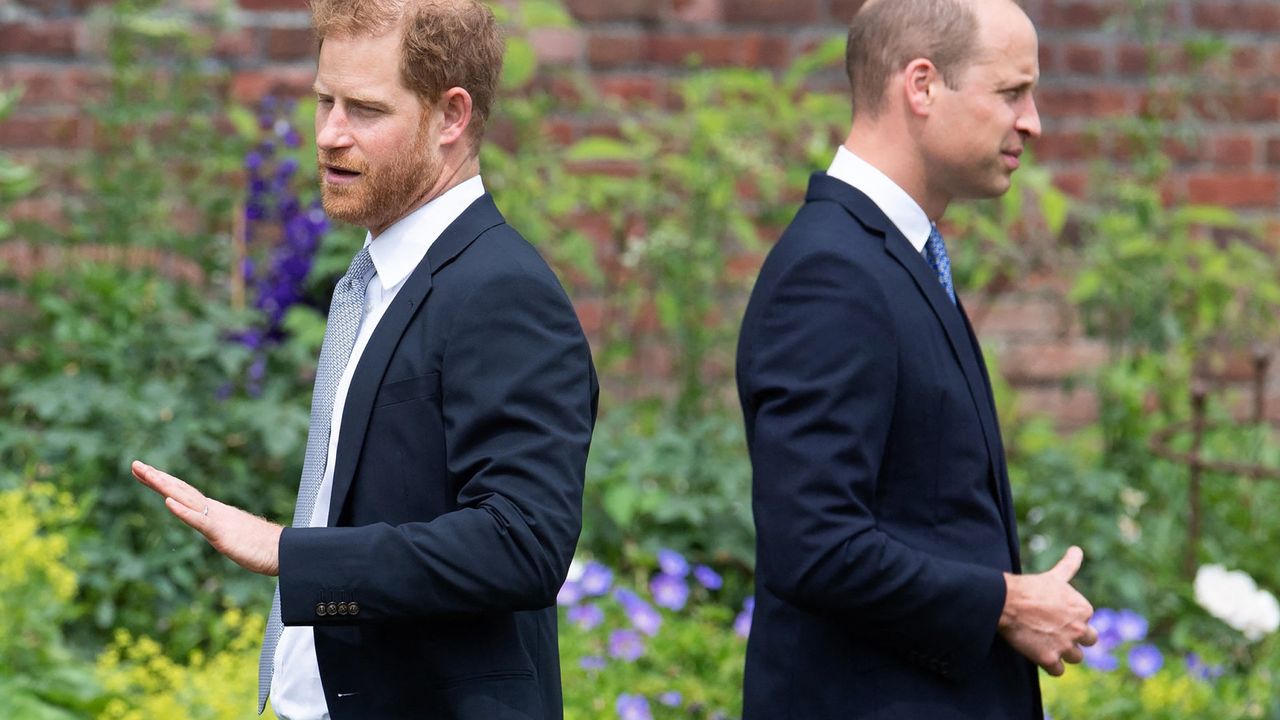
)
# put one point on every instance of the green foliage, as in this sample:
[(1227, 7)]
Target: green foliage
[(40, 677), (695, 653), (652, 483), (15, 180), (120, 364)]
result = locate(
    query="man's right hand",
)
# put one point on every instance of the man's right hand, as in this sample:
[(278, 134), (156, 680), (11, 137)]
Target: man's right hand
[(1046, 619)]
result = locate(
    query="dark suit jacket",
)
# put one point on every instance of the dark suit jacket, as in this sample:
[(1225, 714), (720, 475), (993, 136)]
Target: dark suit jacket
[(880, 492), (457, 492)]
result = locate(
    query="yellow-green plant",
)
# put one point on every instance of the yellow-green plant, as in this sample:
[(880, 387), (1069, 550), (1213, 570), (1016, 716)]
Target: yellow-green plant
[(144, 683)]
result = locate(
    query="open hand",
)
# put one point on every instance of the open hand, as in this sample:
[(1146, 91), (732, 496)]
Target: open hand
[(1045, 618), (248, 540)]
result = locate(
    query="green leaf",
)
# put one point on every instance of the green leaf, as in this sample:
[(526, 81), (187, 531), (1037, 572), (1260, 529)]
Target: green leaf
[(599, 147), (520, 65)]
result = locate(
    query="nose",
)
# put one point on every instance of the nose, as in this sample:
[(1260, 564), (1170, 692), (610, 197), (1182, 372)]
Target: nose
[(1029, 119), (332, 130)]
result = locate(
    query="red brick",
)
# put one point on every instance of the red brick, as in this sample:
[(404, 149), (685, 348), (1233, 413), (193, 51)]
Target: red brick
[(253, 85), (632, 88), (615, 49), (1235, 189), (706, 50), (1251, 16), (300, 5), (1066, 146), (557, 46), (844, 10), (791, 12), (235, 44), (1051, 361), (56, 131), (1071, 182), (52, 38), (1049, 59), (1080, 15), (1182, 151), (1134, 59), (697, 11), (291, 44), (1085, 59), (591, 312), (1248, 61), (1234, 150), (1059, 102), (1273, 151), (612, 10), (1069, 409), (45, 84)]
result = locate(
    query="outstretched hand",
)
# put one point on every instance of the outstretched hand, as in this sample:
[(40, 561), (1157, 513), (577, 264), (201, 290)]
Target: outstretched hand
[(248, 540), (1046, 619)]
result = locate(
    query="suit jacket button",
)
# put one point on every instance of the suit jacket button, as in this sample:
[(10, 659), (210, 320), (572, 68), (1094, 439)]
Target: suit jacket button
[(333, 608), (342, 608), (320, 609), (353, 608)]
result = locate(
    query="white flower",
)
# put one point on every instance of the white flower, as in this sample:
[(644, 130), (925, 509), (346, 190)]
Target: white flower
[(1234, 598)]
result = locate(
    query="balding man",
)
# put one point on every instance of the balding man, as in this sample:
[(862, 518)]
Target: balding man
[(441, 495), (888, 577)]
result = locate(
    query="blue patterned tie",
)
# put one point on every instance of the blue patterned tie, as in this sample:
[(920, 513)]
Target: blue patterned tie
[(345, 313), (935, 251)]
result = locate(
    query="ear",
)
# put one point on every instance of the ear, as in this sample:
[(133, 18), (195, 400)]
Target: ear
[(454, 107), (921, 83)]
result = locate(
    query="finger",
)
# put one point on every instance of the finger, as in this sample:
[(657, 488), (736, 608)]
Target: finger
[(1069, 565), (169, 486), (1054, 668), (196, 519), (1089, 638), (1073, 656)]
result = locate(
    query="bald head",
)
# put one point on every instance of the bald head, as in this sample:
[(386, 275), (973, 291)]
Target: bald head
[(886, 35)]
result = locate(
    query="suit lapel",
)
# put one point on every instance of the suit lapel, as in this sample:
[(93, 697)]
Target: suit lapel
[(474, 221), (963, 347)]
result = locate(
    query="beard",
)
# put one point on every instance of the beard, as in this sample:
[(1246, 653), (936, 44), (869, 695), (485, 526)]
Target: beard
[(384, 193)]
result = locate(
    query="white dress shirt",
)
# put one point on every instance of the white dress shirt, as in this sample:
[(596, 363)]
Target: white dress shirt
[(296, 692), (896, 204)]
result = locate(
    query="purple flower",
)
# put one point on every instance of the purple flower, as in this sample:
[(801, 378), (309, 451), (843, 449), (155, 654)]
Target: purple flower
[(709, 578), (672, 563), (1105, 621), (626, 645), (292, 139), (1197, 668), (669, 591), (586, 615), (742, 623), (570, 593), (1100, 658), (253, 160), (1130, 626), (671, 698), (592, 662), (633, 707), (1145, 660), (641, 614), (596, 579)]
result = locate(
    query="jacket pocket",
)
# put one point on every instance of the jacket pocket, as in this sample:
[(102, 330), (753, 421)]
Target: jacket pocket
[(414, 388)]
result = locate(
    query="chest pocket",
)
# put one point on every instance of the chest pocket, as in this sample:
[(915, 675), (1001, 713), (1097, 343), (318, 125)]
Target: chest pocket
[(409, 389)]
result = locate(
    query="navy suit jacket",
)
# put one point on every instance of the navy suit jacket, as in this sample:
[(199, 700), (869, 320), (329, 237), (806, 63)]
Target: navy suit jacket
[(457, 492), (880, 493)]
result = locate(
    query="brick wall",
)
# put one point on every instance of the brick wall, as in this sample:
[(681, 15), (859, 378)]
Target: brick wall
[(1094, 67)]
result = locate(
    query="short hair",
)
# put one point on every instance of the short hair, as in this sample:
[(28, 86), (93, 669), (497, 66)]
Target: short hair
[(884, 36), (444, 44)]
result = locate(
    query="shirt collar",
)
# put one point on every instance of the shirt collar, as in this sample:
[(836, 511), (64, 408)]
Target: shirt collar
[(901, 209), (399, 249)]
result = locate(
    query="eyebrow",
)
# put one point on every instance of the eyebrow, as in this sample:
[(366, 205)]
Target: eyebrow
[(357, 101)]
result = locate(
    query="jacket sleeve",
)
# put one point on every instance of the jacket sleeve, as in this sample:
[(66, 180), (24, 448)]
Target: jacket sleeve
[(820, 367), (519, 400)]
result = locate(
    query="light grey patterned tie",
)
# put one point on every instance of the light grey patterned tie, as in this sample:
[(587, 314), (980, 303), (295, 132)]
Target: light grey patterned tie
[(345, 313)]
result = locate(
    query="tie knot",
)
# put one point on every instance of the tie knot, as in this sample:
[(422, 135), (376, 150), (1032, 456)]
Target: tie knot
[(360, 265)]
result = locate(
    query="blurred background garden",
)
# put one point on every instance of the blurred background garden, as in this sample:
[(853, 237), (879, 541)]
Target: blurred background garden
[(164, 266)]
